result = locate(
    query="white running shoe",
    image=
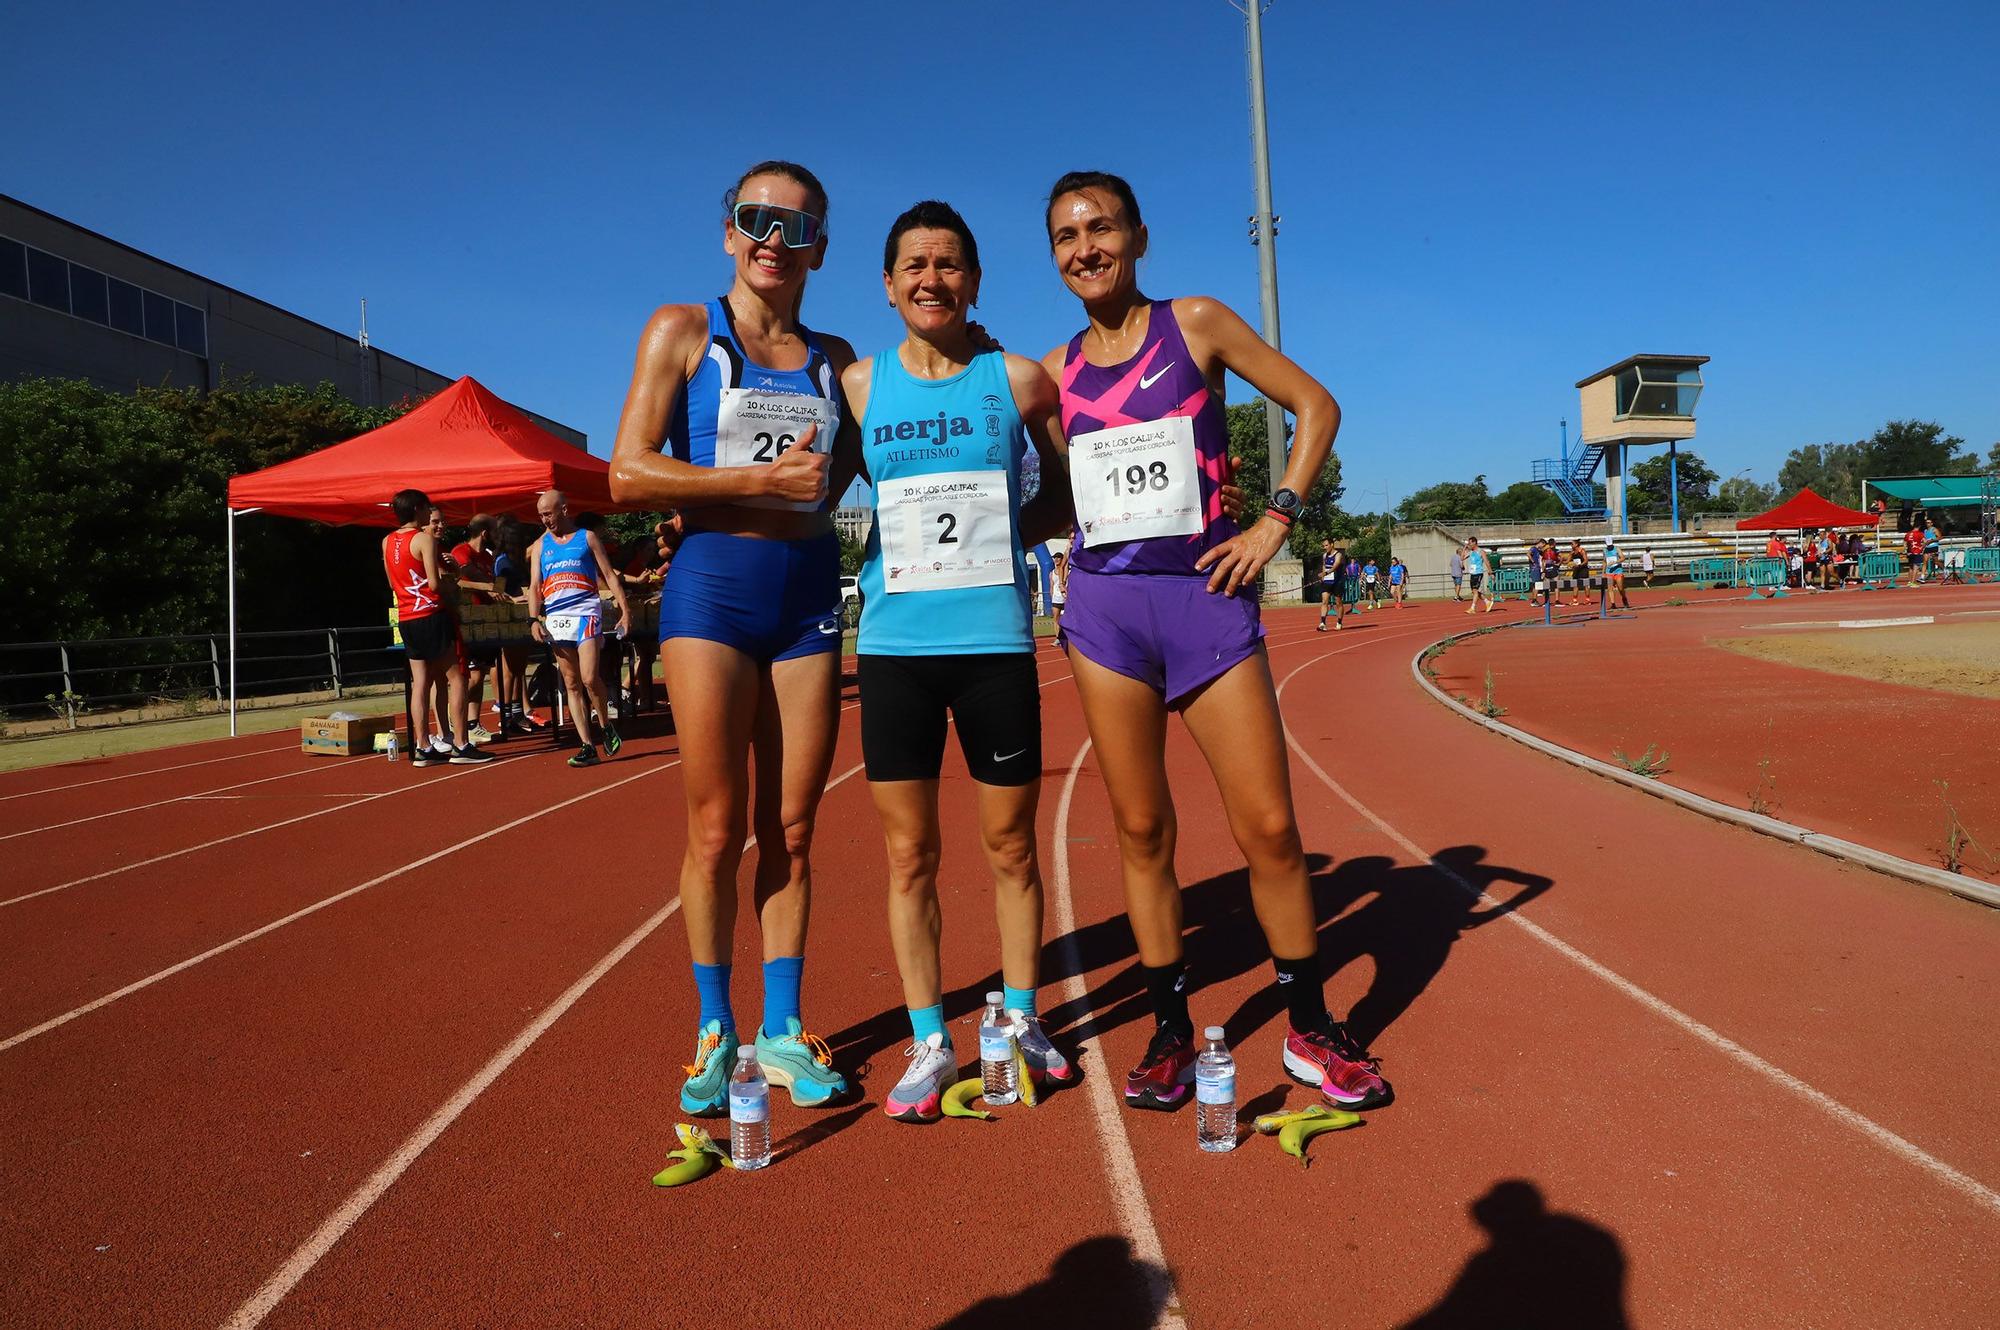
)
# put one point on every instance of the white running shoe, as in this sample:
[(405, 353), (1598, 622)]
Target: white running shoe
[(919, 1096), (1044, 1062), (479, 734)]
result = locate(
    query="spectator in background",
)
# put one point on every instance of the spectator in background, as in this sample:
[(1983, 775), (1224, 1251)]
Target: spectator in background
[(440, 697), (1809, 558), (1371, 582), (1059, 585), (410, 561), (1457, 572), (611, 650), (1538, 584), (1913, 552), (473, 557), (510, 575), (1332, 559), (1398, 574), (1933, 546), (566, 580), (1646, 565), (645, 569)]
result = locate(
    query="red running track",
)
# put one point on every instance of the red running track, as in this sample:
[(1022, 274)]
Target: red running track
[(1723, 1106)]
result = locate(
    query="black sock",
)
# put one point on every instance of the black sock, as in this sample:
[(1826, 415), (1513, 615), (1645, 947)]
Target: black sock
[(1166, 985), (1299, 981)]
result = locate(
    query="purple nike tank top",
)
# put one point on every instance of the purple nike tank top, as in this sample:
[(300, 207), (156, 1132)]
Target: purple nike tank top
[(1160, 381)]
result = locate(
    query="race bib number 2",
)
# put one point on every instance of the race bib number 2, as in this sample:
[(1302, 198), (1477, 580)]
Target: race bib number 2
[(1135, 482), (754, 427), (950, 529)]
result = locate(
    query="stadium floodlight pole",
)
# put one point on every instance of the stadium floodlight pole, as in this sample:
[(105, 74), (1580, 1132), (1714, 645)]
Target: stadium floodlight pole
[(1263, 227)]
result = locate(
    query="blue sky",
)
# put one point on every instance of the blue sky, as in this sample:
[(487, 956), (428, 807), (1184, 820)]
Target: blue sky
[(1481, 202)]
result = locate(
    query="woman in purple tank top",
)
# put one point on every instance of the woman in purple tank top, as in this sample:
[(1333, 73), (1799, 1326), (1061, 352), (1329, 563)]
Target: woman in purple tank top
[(1154, 622)]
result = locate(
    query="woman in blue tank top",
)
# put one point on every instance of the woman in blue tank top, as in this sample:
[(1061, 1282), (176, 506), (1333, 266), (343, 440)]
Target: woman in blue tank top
[(732, 418), (948, 630)]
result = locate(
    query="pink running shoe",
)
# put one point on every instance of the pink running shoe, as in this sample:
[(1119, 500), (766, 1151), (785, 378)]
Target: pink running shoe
[(919, 1096), (1341, 1069)]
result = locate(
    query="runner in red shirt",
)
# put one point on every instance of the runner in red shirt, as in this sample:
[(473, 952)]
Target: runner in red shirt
[(1913, 546), (410, 561)]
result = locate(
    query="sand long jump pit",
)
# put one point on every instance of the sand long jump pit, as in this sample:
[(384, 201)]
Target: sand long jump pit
[(1947, 657)]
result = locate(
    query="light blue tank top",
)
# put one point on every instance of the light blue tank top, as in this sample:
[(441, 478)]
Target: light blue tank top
[(735, 412), (569, 574), (944, 572)]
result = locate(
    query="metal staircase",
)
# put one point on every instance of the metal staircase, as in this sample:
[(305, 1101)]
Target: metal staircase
[(1573, 478)]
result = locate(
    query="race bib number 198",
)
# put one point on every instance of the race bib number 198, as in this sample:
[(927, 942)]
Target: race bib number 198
[(1134, 482), (949, 529), (754, 427)]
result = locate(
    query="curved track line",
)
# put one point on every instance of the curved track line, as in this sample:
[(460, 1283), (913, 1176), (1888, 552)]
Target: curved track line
[(296, 915), (253, 831), (1962, 1183), (149, 771), (1121, 1168), (349, 1213), (160, 803)]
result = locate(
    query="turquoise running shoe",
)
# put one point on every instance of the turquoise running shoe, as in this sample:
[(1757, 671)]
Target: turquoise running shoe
[(802, 1063), (706, 1093)]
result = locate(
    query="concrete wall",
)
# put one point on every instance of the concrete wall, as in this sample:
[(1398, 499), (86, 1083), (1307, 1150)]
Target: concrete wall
[(245, 335)]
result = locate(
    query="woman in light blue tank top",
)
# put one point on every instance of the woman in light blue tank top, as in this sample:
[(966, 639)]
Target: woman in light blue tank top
[(947, 632), (734, 417)]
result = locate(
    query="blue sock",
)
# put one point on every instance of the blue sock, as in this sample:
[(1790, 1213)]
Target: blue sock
[(927, 1021), (1019, 999), (781, 992), (711, 982)]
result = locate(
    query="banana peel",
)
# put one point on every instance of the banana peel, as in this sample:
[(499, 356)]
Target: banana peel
[(1270, 1124), (1292, 1137), (958, 1100), (1024, 1079), (699, 1156)]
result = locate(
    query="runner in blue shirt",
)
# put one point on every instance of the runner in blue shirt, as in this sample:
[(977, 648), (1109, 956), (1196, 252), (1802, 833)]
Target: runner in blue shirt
[(1396, 575), (1370, 584)]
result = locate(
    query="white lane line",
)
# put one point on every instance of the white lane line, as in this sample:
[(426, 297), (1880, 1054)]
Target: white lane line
[(149, 771), (254, 831), (1121, 1167), (296, 915), (1966, 1185), (160, 803), (338, 1224)]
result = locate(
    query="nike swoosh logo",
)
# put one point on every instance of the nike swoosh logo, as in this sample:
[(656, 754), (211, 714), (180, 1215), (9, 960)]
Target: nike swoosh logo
[(1009, 758), (1148, 380)]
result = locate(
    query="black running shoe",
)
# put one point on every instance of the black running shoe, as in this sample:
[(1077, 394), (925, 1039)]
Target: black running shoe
[(585, 757), (612, 743), (425, 756), (468, 756)]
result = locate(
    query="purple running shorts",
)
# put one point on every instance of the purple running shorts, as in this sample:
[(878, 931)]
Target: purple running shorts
[(1169, 632)]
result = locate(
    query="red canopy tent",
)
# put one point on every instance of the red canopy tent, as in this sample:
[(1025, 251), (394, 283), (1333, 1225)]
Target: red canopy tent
[(1805, 511), (465, 448)]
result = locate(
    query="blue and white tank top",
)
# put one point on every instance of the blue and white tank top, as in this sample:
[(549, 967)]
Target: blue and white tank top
[(944, 572), (569, 574), (735, 412)]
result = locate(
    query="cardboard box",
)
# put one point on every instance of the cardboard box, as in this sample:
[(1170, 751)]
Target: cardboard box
[(343, 738)]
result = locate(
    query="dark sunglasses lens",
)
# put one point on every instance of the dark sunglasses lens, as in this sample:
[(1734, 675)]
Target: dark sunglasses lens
[(797, 229)]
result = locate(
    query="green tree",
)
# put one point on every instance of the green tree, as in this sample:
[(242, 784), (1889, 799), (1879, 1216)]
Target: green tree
[(1650, 488), (1831, 470), (1915, 448), (1319, 506), (1740, 494), (1525, 501), (851, 553), (1449, 501)]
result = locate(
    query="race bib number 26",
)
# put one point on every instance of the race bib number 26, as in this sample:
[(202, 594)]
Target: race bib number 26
[(754, 428), (1135, 482)]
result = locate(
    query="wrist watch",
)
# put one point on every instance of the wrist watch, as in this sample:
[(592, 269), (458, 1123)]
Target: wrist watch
[(1285, 503)]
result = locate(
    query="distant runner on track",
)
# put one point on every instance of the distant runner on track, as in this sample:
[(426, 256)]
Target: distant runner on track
[(733, 409), (947, 631), (1156, 625), (1332, 564), (430, 639)]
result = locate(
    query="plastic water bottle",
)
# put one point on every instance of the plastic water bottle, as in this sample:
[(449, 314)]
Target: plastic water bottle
[(392, 745), (1215, 1094), (749, 1112), (996, 1052)]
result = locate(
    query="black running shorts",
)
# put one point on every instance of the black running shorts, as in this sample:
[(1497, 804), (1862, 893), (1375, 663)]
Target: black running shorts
[(995, 701), (427, 638)]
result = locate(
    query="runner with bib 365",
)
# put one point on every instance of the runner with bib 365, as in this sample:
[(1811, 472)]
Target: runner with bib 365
[(947, 628)]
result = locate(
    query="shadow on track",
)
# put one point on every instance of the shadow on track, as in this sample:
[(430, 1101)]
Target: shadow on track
[(1407, 926), (1096, 1282), (1539, 1268)]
